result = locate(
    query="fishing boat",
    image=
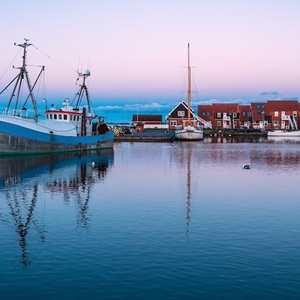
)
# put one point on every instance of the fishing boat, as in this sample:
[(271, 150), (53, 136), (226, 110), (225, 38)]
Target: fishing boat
[(65, 129), (190, 130)]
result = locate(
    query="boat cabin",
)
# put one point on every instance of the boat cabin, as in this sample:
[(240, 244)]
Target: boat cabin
[(86, 124)]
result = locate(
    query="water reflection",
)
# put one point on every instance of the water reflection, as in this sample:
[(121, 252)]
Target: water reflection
[(235, 139), (23, 180), (184, 156)]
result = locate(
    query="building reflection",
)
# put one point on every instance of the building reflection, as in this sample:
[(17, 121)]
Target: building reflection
[(24, 179)]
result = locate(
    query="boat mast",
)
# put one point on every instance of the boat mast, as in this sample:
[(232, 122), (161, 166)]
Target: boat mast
[(83, 90), (189, 86), (23, 73)]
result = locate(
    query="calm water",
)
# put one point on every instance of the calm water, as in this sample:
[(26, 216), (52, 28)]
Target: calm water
[(153, 221)]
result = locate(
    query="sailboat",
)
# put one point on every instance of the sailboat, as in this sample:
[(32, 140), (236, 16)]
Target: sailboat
[(63, 129), (190, 130)]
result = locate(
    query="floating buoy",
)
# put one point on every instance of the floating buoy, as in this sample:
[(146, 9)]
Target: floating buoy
[(246, 167)]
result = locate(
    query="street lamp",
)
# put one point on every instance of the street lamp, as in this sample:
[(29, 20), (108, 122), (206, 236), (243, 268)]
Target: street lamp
[(45, 101)]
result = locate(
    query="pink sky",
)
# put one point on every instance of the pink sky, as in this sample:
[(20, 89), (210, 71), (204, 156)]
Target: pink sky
[(136, 50)]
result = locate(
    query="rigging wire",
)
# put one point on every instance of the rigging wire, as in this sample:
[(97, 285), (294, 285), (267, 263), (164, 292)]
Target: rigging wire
[(10, 64), (56, 61)]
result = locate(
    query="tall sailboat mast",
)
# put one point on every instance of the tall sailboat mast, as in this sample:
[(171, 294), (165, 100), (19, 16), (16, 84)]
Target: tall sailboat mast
[(189, 86)]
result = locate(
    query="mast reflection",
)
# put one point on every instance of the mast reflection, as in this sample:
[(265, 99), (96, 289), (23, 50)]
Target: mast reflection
[(184, 156), (23, 179)]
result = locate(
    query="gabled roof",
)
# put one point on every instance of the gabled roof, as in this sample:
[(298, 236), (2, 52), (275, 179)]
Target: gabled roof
[(184, 104)]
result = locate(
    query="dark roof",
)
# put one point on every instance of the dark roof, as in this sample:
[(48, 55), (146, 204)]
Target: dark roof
[(147, 118)]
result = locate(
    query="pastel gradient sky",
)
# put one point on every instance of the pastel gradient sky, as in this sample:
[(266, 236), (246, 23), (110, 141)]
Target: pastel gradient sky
[(241, 50)]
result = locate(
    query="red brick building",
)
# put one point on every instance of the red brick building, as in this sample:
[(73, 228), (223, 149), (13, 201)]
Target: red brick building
[(221, 115), (273, 114), (284, 114)]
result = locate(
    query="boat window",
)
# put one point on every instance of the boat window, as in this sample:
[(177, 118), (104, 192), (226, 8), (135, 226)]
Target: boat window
[(173, 123), (257, 106), (60, 117), (294, 113), (276, 113), (65, 117), (71, 117), (50, 116), (77, 118), (219, 123), (55, 116), (218, 115)]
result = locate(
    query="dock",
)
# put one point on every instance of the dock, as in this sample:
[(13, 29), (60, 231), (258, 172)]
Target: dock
[(168, 136)]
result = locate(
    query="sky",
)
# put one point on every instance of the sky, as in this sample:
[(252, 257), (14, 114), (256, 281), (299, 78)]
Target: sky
[(241, 51)]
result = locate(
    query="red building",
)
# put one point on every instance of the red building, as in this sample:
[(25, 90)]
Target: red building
[(273, 114), (221, 115), (140, 120), (284, 114)]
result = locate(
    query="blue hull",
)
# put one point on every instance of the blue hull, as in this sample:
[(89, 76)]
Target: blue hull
[(19, 140)]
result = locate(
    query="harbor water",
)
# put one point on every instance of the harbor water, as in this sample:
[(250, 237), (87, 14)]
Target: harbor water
[(153, 221)]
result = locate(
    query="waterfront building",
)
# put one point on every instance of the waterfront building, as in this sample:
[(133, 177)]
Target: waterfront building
[(273, 114), (179, 115), (142, 121)]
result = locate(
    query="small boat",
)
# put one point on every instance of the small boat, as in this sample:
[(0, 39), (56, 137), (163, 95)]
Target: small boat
[(284, 133), (63, 129), (190, 130)]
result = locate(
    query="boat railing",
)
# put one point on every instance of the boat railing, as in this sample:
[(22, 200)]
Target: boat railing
[(21, 113)]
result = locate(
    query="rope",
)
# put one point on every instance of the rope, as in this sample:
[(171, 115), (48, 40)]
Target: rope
[(56, 61), (10, 64)]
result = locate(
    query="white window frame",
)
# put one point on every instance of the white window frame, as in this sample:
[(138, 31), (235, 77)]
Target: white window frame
[(181, 113)]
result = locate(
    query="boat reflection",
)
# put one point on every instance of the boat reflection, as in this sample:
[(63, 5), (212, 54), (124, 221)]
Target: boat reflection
[(24, 180)]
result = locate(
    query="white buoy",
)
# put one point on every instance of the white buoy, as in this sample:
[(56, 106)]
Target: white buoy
[(246, 167)]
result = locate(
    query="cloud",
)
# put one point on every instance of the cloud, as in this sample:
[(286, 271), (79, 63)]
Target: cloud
[(290, 98), (133, 107), (269, 93)]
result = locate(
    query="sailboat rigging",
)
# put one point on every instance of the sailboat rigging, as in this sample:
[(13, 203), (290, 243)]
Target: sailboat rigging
[(190, 130)]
